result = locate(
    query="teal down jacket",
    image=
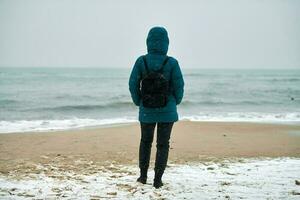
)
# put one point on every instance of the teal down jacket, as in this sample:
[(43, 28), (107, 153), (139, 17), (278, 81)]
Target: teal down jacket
[(157, 47)]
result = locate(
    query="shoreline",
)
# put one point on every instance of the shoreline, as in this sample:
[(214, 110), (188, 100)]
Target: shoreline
[(38, 128), (124, 124)]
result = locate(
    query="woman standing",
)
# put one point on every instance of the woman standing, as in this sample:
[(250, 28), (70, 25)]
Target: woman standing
[(156, 60)]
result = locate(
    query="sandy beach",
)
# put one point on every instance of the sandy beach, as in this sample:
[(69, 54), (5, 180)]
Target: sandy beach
[(190, 142)]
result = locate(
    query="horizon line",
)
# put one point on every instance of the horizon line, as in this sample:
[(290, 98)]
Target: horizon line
[(204, 68)]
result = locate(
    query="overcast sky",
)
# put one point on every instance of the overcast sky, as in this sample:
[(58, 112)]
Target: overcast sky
[(203, 34)]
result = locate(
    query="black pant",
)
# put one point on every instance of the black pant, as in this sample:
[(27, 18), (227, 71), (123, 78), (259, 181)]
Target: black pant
[(162, 144)]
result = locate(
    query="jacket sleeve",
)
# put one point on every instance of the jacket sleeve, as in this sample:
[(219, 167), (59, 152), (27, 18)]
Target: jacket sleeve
[(134, 82), (178, 83)]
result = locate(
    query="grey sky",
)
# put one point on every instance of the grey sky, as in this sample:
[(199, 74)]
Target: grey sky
[(203, 34)]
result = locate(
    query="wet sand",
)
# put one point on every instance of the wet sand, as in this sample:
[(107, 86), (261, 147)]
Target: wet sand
[(190, 142)]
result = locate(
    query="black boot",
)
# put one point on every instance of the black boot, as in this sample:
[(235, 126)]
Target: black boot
[(143, 176), (157, 178)]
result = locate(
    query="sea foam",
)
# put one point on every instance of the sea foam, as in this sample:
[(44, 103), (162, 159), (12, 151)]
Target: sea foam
[(74, 123), (55, 125)]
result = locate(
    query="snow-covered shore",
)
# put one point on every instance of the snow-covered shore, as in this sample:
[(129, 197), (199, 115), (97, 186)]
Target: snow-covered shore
[(261, 178)]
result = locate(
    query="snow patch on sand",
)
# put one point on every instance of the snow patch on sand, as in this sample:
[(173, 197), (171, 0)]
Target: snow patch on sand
[(244, 179)]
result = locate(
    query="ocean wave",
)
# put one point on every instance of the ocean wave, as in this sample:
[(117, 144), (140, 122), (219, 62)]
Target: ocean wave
[(55, 125), (195, 74), (65, 124), (285, 79), (220, 102), (86, 107), (246, 117), (7, 101)]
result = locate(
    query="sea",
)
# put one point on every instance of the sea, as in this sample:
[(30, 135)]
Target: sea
[(58, 98)]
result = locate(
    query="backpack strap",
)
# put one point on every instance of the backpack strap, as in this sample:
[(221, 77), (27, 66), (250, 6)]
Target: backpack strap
[(146, 65), (160, 69), (164, 63)]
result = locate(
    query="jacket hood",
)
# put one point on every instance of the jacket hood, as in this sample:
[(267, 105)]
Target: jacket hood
[(157, 41)]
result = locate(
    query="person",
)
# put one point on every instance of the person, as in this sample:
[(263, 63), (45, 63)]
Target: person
[(163, 117)]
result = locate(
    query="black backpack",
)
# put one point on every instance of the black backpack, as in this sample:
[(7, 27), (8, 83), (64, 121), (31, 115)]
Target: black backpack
[(154, 87)]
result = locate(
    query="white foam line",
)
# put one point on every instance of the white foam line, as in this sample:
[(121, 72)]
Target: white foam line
[(292, 118), (54, 125), (65, 124)]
